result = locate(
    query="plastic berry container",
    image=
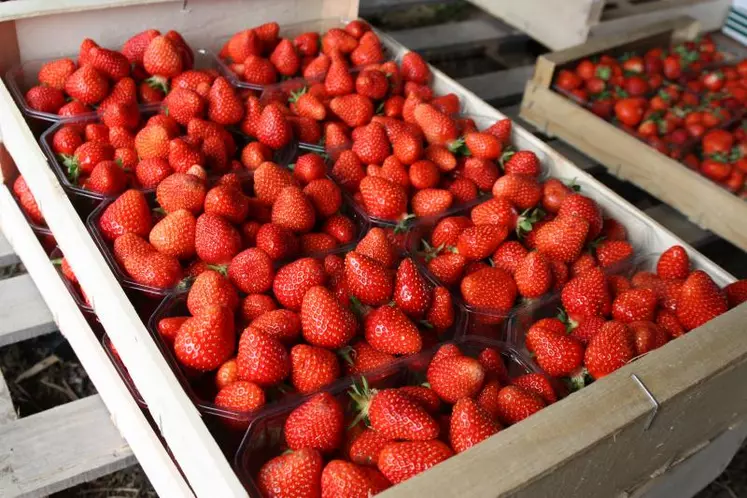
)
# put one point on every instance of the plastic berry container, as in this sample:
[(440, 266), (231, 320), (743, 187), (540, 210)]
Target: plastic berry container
[(122, 371), (264, 439)]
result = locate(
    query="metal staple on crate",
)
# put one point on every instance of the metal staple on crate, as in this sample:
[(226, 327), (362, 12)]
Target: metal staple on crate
[(651, 398)]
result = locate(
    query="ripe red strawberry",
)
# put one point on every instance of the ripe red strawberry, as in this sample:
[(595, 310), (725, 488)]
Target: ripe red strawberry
[(438, 128), (66, 140), (353, 109), (431, 202), (110, 63), (169, 327), (585, 208), (325, 196), (252, 271), (342, 478), (399, 461), (326, 323), (414, 68), (227, 373), (54, 73), (667, 321), (97, 132), (470, 425), (372, 84), (254, 154), (523, 191), (216, 240), (441, 157), (412, 292), (134, 47), (587, 295), (447, 231), (441, 314), (211, 288), (224, 106), (45, 99), (27, 201), (86, 45), (539, 384), (613, 252), (588, 328), (294, 279), (362, 357), (423, 174), (341, 228), (673, 263), (151, 172), (634, 305), (647, 336), (614, 230), (365, 448), (269, 180), (484, 174), (533, 275), (382, 198), (227, 201), (488, 398), (368, 51), (144, 264), (495, 211), (184, 105), (312, 368), (317, 424), (559, 355), (736, 293), (273, 128), (376, 245), (338, 80), (515, 404), (207, 340), (307, 105), (371, 145), (523, 162), (181, 191), (490, 288), (387, 329), (479, 242), (611, 348), (107, 178), (261, 359), (447, 267), (162, 59), (455, 377), (307, 43), (240, 396), (241, 45), (395, 415), (285, 59), (152, 142), (584, 263), (87, 85), (129, 213), (86, 157), (699, 301), (448, 104), (483, 145), (309, 167), (368, 280), (297, 474), (124, 115), (280, 324), (408, 148), (508, 255), (278, 242), (174, 235), (293, 210)]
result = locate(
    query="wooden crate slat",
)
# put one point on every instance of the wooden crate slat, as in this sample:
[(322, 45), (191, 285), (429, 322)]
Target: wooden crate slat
[(7, 410), (127, 416), (498, 84), (452, 34), (7, 256), (60, 447), (23, 313)]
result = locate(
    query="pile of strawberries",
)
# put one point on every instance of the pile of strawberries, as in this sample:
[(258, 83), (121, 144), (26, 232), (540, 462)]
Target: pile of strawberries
[(259, 57), (296, 317), (101, 78), (679, 101), (359, 443)]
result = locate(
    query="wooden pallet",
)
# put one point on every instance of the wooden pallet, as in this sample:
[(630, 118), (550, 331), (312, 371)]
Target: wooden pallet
[(563, 24)]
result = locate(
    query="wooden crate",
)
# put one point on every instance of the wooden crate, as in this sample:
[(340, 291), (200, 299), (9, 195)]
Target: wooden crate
[(589, 444), (563, 24), (701, 200)]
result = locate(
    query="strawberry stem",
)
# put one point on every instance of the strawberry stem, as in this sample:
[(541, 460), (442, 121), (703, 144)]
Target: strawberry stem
[(56, 261), (159, 83), (361, 396), (222, 269)]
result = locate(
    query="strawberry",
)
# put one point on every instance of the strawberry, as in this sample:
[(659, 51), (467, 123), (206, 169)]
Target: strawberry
[(307, 105), (252, 271), (423, 174), (144, 264), (27, 201), (448, 230), (495, 211), (667, 321), (175, 234), (110, 63), (258, 70), (523, 162), (673, 263), (261, 359), (74, 108), (107, 178), (54, 73), (292, 475), (151, 172), (382, 198), (399, 461), (280, 324), (441, 314), (431, 202), (255, 305), (414, 68), (86, 157), (307, 43), (614, 230), (372, 83), (325, 196), (447, 104), (487, 399), (86, 45), (211, 288), (611, 348), (124, 115), (168, 328), (293, 210), (317, 423), (134, 48), (584, 263), (254, 154), (438, 128), (228, 202), (45, 99), (558, 354), (273, 128), (490, 288), (470, 424), (554, 193), (699, 301), (181, 191), (523, 191), (587, 295), (508, 255), (183, 105), (341, 228), (365, 448), (587, 328), (482, 172), (285, 59), (216, 240), (293, 281), (455, 377), (278, 242), (372, 144), (515, 404), (647, 336), (585, 208), (338, 80), (448, 267), (538, 383), (152, 142), (441, 156), (367, 279), (326, 323), (66, 140), (341, 478), (479, 242), (388, 330), (368, 51), (162, 59), (412, 293), (353, 109), (533, 275), (129, 213), (376, 245), (394, 415), (269, 180), (634, 305), (736, 293), (87, 85), (240, 396), (312, 368), (224, 106), (483, 145), (206, 340), (613, 252), (241, 45)]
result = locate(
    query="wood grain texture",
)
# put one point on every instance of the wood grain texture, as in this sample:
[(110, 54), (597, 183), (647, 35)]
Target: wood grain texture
[(7, 256), (23, 313), (58, 448), (7, 410), (126, 414)]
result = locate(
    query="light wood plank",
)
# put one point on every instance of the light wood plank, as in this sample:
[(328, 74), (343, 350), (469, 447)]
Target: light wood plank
[(58, 448), (127, 415), (468, 32), (7, 410), (7, 256), (23, 313), (499, 84), (37, 8)]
